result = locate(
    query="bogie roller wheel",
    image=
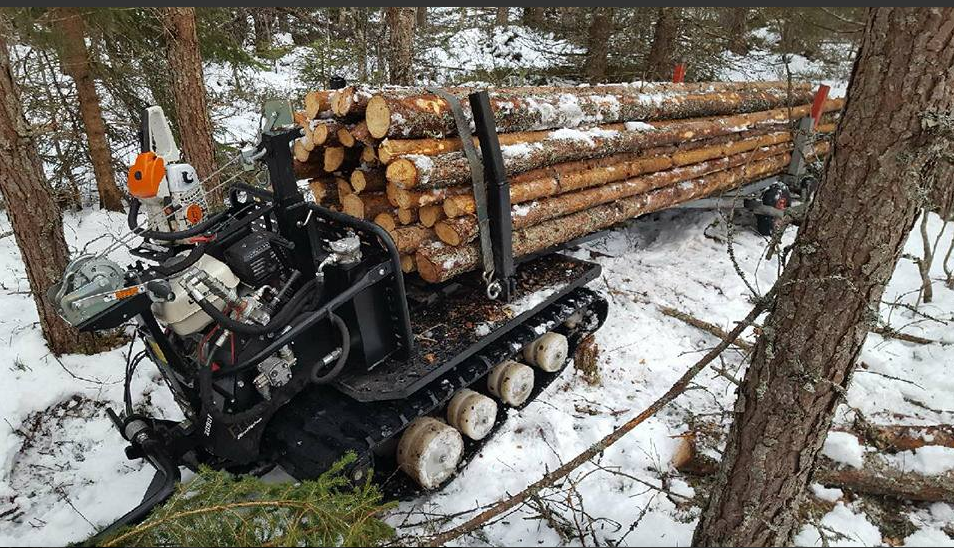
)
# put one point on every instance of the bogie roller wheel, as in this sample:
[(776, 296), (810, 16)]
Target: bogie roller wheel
[(471, 413), (429, 451), (549, 352), (511, 382), (776, 196)]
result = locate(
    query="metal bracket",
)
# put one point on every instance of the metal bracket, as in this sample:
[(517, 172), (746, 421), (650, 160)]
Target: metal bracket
[(494, 290)]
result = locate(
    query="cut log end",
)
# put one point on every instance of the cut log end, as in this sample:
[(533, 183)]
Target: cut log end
[(353, 205), (345, 137), (386, 221), (430, 214), (378, 117), (455, 206), (334, 157), (369, 156), (447, 234), (407, 216), (319, 135), (408, 264), (402, 172), (299, 151)]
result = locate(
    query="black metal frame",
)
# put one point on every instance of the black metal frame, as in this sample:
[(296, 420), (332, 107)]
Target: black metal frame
[(498, 193)]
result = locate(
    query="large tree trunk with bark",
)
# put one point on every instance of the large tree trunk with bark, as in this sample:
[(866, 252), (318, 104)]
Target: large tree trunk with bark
[(502, 16), (532, 16), (661, 57), (597, 44), (845, 253), (188, 86), (34, 214), (400, 24), (74, 56), (734, 27)]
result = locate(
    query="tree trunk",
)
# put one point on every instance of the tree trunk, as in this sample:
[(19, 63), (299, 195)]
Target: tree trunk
[(37, 225), (597, 44), (502, 17), (400, 25), (845, 253), (263, 19), (188, 87), (735, 29), (420, 19), (660, 62), (74, 56), (532, 16)]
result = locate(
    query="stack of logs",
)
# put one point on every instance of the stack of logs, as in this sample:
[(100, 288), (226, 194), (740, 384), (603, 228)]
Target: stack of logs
[(578, 159)]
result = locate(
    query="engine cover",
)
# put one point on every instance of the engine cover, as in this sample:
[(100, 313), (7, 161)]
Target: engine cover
[(183, 315)]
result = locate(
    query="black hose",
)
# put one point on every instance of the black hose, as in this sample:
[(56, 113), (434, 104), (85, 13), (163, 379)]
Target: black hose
[(298, 301), (342, 358), (133, 214), (194, 230)]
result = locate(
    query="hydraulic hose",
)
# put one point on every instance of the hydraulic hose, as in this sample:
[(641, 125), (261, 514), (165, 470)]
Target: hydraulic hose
[(298, 301), (342, 358), (194, 230)]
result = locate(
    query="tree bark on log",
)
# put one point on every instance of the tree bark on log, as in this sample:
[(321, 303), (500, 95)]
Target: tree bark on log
[(561, 178), (413, 114), (437, 263), (74, 59), (453, 169), (408, 199), (464, 229), (409, 238), (372, 180), (845, 252), (317, 102)]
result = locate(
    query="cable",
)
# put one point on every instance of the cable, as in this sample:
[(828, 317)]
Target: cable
[(342, 358)]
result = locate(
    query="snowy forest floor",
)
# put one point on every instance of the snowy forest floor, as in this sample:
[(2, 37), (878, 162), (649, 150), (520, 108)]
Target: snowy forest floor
[(63, 472)]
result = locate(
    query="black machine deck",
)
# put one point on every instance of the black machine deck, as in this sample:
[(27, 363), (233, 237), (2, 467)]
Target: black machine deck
[(456, 326)]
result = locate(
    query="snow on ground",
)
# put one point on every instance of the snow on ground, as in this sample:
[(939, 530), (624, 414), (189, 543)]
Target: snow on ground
[(62, 467), (679, 260)]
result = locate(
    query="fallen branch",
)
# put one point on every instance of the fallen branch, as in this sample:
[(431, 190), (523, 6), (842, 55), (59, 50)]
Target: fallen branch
[(674, 391), (711, 328), (877, 477)]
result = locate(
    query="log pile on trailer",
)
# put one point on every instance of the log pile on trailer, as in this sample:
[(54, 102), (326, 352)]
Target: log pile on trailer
[(578, 159)]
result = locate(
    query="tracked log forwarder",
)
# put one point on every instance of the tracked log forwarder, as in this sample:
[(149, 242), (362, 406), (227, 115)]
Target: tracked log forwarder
[(288, 336)]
